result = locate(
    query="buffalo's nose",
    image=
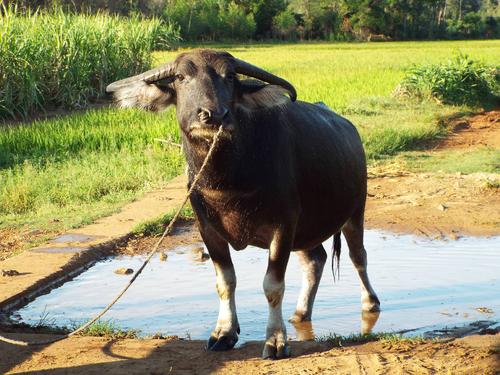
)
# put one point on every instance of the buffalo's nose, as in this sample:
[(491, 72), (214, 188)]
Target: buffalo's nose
[(207, 115)]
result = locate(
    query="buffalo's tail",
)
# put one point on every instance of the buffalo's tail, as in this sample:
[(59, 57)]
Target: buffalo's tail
[(336, 255)]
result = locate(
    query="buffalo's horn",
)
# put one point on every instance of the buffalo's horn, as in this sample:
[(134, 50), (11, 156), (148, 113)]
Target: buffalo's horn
[(153, 75), (250, 70)]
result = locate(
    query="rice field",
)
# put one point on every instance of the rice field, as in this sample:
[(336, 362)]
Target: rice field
[(63, 172)]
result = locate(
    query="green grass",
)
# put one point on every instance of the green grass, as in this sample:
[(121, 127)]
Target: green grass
[(155, 227), (61, 173), (485, 159), (108, 329), (357, 80), (340, 73), (51, 58), (101, 328), (361, 338), (460, 80)]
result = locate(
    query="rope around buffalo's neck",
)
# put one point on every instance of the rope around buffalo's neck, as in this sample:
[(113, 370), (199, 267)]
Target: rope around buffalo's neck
[(138, 272)]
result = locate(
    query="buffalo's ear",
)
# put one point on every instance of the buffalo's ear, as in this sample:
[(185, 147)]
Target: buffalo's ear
[(253, 95), (152, 97)]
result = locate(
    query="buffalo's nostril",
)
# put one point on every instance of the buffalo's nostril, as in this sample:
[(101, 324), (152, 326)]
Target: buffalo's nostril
[(204, 114), (212, 116)]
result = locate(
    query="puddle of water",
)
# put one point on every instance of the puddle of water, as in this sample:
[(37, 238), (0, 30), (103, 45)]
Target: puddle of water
[(420, 283), (74, 237)]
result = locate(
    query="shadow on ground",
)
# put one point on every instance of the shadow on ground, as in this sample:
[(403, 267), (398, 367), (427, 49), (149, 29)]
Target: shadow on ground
[(90, 355)]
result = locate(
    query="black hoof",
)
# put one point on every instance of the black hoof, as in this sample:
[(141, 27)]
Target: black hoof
[(271, 352), (222, 343)]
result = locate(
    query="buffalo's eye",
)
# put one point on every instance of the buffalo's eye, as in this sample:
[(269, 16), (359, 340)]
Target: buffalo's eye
[(179, 77), (230, 77)]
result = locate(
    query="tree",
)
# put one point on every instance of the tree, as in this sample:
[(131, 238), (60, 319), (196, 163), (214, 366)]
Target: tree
[(285, 25)]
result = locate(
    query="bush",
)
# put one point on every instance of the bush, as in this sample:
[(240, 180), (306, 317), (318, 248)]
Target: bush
[(57, 59), (459, 81), (210, 20)]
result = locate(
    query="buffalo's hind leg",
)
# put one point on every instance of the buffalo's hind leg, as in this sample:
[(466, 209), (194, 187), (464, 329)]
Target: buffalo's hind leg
[(225, 334), (353, 232), (312, 263)]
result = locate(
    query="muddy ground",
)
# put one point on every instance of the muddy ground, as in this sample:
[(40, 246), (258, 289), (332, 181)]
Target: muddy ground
[(435, 205), (92, 355)]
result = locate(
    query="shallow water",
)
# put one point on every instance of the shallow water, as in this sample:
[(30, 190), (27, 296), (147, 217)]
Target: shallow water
[(422, 285)]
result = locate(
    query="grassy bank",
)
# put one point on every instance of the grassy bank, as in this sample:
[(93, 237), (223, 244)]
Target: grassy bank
[(53, 59), (61, 173)]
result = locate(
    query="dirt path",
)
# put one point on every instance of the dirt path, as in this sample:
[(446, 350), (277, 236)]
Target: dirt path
[(90, 355), (434, 205), (439, 205), (480, 130)]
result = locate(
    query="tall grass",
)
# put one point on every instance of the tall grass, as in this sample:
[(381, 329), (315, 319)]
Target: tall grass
[(52, 58), (460, 80)]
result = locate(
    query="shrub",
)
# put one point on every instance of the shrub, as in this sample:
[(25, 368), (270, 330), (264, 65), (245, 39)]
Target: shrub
[(210, 20), (459, 81), (57, 59)]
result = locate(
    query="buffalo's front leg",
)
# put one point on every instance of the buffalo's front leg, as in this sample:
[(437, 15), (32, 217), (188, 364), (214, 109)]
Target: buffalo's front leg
[(225, 334), (276, 345)]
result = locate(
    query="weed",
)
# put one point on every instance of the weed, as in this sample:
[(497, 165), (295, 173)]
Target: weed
[(385, 337), (492, 184), (109, 329), (157, 226), (461, 80)]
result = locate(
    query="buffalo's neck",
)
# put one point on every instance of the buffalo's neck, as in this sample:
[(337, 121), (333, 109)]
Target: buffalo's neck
[(224, 166), (244, 162)]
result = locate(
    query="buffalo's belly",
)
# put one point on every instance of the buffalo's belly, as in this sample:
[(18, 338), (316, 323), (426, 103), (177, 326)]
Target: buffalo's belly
[(311, 232), (243, 227)]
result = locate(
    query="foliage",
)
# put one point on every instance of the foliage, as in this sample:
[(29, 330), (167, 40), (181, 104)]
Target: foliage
[(207, 20), (340, 19), (459, 81), (51, 58), (210, 20), (284, 25)]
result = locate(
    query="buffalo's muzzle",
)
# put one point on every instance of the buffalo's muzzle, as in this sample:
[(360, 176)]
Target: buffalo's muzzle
[(212, 116)]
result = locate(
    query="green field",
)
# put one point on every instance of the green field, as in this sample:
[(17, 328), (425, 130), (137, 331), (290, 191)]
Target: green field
[(61, 173)]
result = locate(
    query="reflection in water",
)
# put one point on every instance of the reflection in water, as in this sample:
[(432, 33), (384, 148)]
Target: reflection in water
[(304, 331), (412, 277)]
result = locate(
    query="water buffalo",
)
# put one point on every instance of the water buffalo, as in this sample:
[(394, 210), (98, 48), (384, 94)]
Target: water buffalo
[(285, 176)]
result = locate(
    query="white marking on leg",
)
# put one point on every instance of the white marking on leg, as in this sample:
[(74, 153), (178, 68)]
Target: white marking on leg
[(226, 286), (274, 291), (312, 269)]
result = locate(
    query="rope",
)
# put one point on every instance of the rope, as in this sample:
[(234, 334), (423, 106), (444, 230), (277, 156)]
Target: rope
[(138, 272)]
